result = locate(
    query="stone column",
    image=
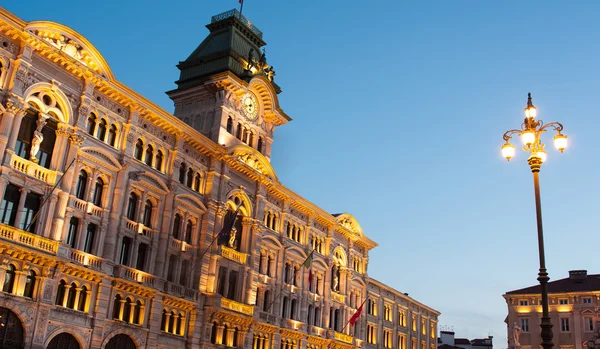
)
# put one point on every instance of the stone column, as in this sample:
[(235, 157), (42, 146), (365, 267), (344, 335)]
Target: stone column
[(18, 111), (66, 295), (116, 209), (20, 207), (60, 147), (14, 111), (3, 183), (165, 231)]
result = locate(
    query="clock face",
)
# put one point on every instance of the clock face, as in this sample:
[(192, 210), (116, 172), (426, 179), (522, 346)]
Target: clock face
[(250, 106)]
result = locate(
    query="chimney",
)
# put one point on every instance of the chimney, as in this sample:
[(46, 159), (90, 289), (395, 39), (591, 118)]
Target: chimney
[(578, 275)]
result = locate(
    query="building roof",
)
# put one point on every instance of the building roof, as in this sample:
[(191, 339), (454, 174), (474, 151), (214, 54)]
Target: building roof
[(447, 346), (462, 341), (482, 342), (578, 281)]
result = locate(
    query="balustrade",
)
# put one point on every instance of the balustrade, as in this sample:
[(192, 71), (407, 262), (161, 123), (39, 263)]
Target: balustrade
[(22, 237), (32, 169)]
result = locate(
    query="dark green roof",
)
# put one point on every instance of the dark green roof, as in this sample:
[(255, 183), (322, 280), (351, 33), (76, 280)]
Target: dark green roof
[(230, 40)]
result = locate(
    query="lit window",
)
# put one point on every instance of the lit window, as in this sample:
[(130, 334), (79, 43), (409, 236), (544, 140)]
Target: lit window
[(563, 301), (564, 324), (525, 325), (588, 323), (587, 300), (523, 302)]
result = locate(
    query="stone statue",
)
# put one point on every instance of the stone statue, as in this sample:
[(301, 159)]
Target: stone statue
[(232, 235), (250, 59), (270, 73), (515, 333), (38, 137), (336, 280)]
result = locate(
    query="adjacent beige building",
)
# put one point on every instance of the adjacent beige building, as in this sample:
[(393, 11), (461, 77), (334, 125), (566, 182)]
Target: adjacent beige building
[(110, 207), (574, 311)]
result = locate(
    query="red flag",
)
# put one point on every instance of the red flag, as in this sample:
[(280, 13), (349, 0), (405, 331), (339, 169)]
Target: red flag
[(356, 315)]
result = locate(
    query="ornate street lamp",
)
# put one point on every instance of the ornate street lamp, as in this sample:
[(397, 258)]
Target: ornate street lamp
[(530, 133)]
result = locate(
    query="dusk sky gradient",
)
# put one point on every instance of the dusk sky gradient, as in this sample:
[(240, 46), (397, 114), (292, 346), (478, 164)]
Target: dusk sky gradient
[(398, 113)]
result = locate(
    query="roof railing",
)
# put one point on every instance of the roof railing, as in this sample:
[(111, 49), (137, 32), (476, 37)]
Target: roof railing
[(235, 13)]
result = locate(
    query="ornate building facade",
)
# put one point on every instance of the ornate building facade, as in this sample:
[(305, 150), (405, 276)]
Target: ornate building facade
[(111, 207), (574, 305)]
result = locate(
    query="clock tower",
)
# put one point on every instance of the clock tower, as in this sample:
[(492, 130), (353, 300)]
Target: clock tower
[(227, 90)]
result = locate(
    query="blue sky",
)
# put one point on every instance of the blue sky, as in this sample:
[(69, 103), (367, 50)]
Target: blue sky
[(399, 109)]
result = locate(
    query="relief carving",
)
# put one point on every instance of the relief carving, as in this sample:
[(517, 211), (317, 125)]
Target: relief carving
[(40, 328)]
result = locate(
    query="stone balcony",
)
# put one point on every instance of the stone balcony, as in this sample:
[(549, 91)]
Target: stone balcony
[(181, 291), (180, 245), (224, 303), (342, 337), (86, 207), (138, 228), (87, 260), (338, 297), (28, 239), (269, 318), (135, 275), (32, 169), (233, 255)]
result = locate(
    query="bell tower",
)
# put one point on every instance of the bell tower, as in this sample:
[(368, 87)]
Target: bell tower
[(226, 89)]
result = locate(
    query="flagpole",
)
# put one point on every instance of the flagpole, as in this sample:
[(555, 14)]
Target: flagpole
[(363, 303), (241, 6), (288, 281)]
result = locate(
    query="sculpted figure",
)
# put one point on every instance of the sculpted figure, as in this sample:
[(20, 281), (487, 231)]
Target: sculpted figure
[(515, 334), (232, 237), (38, 137)]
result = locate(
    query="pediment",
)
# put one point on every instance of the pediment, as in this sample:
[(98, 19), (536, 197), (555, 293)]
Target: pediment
[(100, 157), (191, 202), (253, 159), (72, 44), (348, 221)]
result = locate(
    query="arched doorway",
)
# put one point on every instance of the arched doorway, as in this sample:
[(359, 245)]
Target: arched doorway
[(11, 330), (120, 341), (63, 341)]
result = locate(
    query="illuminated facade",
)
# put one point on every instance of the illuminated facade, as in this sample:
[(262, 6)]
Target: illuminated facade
[(110, 206), (574, 310)]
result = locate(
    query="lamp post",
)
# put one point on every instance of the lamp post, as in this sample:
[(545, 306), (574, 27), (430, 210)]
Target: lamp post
[(530, 133)]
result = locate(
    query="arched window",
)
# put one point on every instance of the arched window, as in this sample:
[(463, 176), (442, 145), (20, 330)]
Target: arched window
[(230, 125), (147, 221), (309, 315), (172, 266), (269, 262), (181, 323), (72, 295), (81, 184), (245, 136), (163, 320), (259, 146), (284, 307), (190, 177), (250, 138), (98, 192), (102, 127), (188, 232), (317, 318), (149, 155), (172, 322), (132, 206), (92, 124), (238, 133), (127, 309), (197, 182), (60, 293), (213, 333), (139, 149), (235, 335), (225, 330), (29, 284), (82, 298), (182, 171), (176, 226), (117, 307), (137, 313), (9, 280), (159, 160), (112, 135)]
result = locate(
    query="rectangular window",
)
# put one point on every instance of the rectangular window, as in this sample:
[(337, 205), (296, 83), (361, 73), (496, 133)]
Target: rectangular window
[(371, 334), (432, 330), (523, 302), (402, 318), (588, 324), (525, 325), (414, 343), (402, 341), (89, 238), (414, 324), (563, 301), (72, 234), (25, 135), (221, 280), (32, 205), (10, 202), (141, 257), (587, 300), (564, 324), (423, 328), (423, 345), (233, 275), (387, 339), (125, 250)]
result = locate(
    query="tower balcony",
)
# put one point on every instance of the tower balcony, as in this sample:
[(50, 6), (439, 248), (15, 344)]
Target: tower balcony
[(233, 255), (220, 302)]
